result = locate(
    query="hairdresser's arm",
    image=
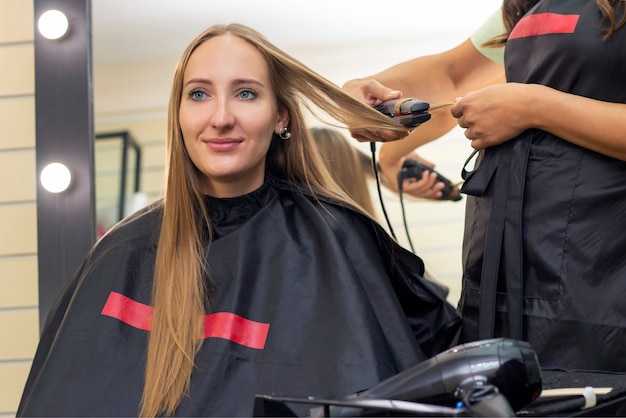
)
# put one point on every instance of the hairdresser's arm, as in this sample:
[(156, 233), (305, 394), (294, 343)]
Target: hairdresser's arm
[(393, 154), (434, 78), (589, 123)]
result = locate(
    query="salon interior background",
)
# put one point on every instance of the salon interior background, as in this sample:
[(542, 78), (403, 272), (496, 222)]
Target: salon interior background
[(135, 47)]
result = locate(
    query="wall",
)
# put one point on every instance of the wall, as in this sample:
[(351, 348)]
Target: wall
[(19, 326)]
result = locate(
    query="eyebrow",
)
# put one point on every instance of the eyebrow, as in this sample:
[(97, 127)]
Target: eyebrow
[(235, 82)]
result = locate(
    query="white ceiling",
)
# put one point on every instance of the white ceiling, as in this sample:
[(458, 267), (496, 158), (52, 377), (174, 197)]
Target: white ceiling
[(129, 30)]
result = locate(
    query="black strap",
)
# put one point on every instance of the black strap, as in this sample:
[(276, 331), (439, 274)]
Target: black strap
[(493, 251), (513, 240), (505, 172)]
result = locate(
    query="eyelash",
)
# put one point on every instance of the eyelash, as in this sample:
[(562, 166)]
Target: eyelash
[(252, 92), (193, 94)]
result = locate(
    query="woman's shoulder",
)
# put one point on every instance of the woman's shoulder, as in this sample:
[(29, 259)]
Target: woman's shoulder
[(141, 227)]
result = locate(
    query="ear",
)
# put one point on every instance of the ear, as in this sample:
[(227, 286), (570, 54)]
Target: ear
[(282, 119)]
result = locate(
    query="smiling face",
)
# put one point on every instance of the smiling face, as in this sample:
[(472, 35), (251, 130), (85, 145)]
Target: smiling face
[(228, 115)]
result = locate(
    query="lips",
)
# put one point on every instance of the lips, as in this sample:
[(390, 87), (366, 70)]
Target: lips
[(222, 144)]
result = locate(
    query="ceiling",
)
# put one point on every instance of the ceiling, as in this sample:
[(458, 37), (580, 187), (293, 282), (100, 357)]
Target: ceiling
[(131, 30)]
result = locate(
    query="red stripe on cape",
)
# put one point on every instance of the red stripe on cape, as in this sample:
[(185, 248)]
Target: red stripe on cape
[(544, 24), (224, 325)]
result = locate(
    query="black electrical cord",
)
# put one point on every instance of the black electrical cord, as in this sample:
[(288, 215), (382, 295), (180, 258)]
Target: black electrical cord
[(380, 194), (406, 226)]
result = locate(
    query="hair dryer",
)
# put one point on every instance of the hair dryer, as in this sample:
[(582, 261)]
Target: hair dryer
[(509, 365), (412, 168), (480, 374)]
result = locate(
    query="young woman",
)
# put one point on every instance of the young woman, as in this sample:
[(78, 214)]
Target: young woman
[(544, 244), (254, 275)]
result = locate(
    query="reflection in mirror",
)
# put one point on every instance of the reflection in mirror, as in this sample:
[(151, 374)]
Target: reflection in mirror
[(136, 46), (118, 178)]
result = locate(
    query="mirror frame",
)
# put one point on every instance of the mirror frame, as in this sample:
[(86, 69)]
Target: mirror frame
[(64, 133), (128, 145)]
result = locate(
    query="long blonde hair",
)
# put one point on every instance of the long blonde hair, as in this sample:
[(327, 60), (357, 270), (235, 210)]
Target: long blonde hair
[(514, 10), (349, 167), (180, 296)]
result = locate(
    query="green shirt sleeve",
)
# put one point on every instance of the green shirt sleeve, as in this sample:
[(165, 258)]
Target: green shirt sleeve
[(491, 27)]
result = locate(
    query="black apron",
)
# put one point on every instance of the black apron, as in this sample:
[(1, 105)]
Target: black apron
[(544, 251)]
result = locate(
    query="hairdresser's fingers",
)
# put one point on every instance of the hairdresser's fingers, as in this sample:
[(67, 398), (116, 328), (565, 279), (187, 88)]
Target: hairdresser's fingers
[(370, 91), (457, 108), (427, 187)]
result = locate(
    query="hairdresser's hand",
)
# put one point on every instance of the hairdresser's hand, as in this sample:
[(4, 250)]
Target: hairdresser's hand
[(494, 114), (426, 187), (372, 92)]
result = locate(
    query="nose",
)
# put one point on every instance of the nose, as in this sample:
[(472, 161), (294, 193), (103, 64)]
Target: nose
[(222, 113)]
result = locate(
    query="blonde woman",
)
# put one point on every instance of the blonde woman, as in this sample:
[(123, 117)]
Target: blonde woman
[(256, 274)]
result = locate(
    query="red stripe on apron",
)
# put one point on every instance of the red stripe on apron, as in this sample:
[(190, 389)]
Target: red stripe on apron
[(544, 24), (236, 328), (223, 325), (128, 311)]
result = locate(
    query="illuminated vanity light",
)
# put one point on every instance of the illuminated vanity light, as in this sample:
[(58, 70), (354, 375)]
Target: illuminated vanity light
[(53, 24), (55, 177)]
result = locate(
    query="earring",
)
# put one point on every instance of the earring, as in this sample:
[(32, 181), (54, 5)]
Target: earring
[(284, 133)]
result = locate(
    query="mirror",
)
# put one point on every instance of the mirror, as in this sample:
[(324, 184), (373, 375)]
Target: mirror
[(118, 177), (136, 45)]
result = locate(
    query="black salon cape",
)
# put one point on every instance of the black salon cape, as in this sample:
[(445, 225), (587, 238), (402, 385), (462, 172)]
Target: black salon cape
[(330, 304), (545, 240)]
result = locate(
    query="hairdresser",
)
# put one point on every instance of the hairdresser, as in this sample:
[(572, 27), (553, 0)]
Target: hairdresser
[(543, 251)]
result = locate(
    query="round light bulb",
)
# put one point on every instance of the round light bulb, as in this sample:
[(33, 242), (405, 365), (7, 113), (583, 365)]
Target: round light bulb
[(53, 24), (55, 177)]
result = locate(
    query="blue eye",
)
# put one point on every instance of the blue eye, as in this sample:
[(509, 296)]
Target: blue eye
[(247, 94), (197, 94)]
